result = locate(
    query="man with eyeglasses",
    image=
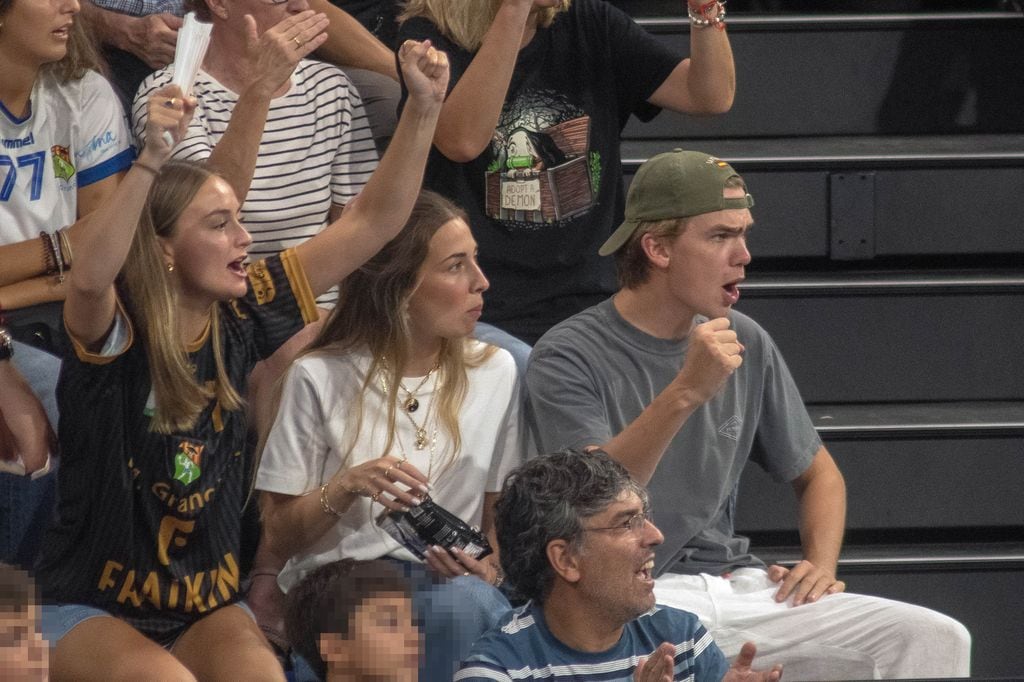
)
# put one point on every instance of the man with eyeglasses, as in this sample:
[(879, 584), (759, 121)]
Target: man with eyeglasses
[(578, 541), (684, 391)]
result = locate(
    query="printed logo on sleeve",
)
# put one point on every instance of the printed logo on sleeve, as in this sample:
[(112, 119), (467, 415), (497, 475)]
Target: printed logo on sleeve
[(62, 166)]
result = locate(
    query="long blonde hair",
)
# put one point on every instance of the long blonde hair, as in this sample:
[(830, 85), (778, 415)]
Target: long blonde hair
[(371, 316), (465, 22), (151, 300)]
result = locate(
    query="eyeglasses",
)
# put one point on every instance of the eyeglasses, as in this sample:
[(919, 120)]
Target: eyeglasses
[(634, 524)]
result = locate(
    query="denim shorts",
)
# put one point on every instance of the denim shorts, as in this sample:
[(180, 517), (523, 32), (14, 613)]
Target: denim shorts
[(59, 619)]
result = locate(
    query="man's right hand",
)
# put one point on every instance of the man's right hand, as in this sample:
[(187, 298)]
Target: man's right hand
[(714, 353), (151, 38)]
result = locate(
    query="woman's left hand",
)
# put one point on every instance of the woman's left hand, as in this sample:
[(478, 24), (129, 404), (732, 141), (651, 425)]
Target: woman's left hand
[(455, 562)]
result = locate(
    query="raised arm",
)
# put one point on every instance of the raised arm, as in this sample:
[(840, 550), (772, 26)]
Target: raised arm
[(385, 203), (103, 240), (350, 44), (705, 82), (470, 113), (713, 355)]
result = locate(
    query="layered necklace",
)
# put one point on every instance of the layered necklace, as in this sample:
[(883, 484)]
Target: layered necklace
[(410, 405)]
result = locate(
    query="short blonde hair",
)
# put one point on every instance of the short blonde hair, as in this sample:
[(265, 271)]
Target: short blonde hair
[(465, 22)]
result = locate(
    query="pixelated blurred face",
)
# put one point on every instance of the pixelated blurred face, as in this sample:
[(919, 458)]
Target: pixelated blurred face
[(383, 642), (36, 32), (23, 651), (617, 559), (448, 300), (209, 245)]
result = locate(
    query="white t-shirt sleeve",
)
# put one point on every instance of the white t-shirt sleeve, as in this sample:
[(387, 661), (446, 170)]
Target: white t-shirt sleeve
[(510, 445), (104, 144), (296, 450)]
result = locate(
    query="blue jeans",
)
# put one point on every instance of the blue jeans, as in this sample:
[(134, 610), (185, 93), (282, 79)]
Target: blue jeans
[(26, 505)]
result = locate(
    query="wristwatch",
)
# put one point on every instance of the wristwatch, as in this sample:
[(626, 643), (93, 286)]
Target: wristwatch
[(6, 344)]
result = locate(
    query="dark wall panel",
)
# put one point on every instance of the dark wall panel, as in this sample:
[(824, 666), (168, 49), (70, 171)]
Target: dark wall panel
[(862, 81), (950, 211), (905, 483), (908, 348)]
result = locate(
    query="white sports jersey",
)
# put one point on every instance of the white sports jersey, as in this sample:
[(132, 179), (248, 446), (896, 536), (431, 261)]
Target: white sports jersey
[(317, 149), (75, 134)]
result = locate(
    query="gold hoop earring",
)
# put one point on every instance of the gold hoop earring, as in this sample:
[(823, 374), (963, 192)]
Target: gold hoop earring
[(170, 267)]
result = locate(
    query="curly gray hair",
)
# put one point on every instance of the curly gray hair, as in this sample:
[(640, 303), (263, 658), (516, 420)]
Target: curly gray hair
[(546, 499)]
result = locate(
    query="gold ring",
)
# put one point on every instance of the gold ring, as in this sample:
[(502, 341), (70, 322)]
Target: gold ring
[(399, 463), (170, 103), (387, 473), (298, 43), (374, 497)]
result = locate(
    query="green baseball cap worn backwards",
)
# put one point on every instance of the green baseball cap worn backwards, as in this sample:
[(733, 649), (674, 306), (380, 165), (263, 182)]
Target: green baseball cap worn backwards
[(676, 184)]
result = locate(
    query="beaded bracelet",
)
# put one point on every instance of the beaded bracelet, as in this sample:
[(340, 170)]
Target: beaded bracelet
[(702, 17), (48, 261)]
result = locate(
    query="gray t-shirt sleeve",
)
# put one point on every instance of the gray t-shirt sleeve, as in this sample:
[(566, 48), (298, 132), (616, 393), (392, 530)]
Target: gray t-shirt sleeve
[(785, 441), (565, 403)]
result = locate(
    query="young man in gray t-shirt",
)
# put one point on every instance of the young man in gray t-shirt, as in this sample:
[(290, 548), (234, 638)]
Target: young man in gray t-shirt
[(683, 391)]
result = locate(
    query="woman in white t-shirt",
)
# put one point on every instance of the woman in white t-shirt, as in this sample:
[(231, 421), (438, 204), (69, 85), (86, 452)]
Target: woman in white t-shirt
[(395, 401)]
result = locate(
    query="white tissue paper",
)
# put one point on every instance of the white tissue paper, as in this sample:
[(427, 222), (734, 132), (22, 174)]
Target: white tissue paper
[(193, 39)]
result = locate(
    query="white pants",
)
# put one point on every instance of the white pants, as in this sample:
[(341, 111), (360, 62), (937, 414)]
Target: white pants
[(841, 636)]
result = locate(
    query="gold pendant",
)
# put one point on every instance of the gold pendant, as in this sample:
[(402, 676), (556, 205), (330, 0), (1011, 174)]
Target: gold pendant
[(411, 404), (421, 439)]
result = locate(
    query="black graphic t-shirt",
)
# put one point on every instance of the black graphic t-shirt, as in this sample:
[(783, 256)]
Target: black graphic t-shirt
[(148, 525), (548, 191)]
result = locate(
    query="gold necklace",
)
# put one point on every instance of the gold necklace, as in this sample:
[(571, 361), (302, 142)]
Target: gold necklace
[(411, 404)]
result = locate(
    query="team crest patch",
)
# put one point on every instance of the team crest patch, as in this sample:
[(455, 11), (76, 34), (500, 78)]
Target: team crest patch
[(731, 428), (186, 462), (262, 282), (62, 166)]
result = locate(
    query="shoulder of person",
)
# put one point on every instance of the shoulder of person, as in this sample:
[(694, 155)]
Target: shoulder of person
[(749, 330), (567, 334), (321, 76), (152, 82), (669, 620), (496, 360)]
